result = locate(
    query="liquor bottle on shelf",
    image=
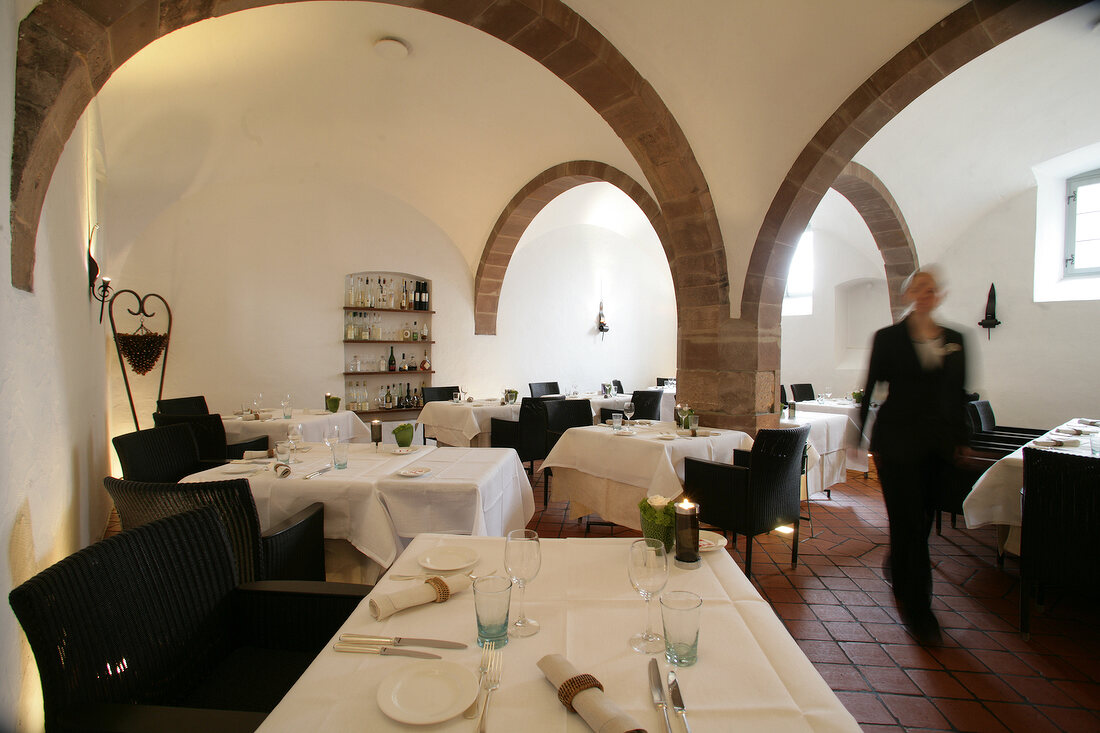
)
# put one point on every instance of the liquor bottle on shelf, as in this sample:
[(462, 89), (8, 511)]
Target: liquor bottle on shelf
[(380, 401), (416, 295), (349, 326), (415, 332), (404, 365), (382, 362), (425, 298), (391, 365), (424, 332), (404, 297), (425, 365), (406, 332), (388, 402), (412, 363)]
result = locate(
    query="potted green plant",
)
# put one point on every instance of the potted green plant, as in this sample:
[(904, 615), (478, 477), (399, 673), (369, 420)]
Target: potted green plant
[(658, 519), (403, 434)]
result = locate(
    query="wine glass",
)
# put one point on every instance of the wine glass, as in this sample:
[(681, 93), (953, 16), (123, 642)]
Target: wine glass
[(828, 392), (628, 410), (285, 404), (331, 437), (648, 567), (681, 412), (294, 437), (522, 559)]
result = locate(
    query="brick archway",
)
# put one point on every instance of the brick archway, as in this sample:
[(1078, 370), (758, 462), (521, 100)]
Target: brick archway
[(522, 209), (884, 219)]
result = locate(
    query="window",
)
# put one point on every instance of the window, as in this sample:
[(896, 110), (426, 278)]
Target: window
[(799, 298), (1083, 224)]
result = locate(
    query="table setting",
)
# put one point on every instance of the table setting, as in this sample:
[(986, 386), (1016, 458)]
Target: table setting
[(464, 423), (457, 660), (312, 424)]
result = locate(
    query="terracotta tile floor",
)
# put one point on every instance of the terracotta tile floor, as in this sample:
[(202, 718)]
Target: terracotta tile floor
[(841, 611)]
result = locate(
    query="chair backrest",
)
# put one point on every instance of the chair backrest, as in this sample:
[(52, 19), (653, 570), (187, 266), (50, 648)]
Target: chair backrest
[(1061, 513), (618, 386), (803, 392), (532, 428), (981, 416), (564, 414), (661, 381), (439, 394), (607, 412), (139, 503), (140, 617), (647, 404), (209, 432), (158, 454), (538, 389), (183, 406), (782, 395)]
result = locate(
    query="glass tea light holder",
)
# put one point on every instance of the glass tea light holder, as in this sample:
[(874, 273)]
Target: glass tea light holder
[(687, 535), (376, 433)]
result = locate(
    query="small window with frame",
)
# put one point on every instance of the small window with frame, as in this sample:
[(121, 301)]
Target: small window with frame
[(1082, 253)]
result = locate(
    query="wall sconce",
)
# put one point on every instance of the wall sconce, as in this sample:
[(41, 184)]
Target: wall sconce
[(990, 321), (103, 290), (601, 323)]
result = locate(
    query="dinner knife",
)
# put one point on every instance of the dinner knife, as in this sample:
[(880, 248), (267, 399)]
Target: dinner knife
[(401, 641), (319, 471), (677, 698), (658, 691), (387, 651)]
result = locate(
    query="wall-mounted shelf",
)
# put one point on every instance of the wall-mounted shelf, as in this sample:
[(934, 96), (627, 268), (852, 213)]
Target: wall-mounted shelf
[(387, 373), (368, 341)]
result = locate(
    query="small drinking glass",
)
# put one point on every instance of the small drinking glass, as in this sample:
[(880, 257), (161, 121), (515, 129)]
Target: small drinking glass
[(492, 595), (282, 451), (648, 568), (340, 455), (616, 420), (628, 410), (680, 621), (287, 410), (522, 559), (820, 397), (693, 424)]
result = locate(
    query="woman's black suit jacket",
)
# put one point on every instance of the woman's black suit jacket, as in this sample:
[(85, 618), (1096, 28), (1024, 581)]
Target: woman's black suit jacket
[(925, 411)]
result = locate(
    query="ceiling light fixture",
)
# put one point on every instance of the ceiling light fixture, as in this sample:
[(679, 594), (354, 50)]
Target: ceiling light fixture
[(391, 48)]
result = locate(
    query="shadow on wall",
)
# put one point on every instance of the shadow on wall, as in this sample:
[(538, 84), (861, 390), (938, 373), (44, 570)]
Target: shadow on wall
[(21, 566)]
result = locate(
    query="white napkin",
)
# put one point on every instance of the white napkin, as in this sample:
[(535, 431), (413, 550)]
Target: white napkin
[(250, 416), (282, 470), (596, 708), (1093, 423), (253, 454), (385, 605), (1058, 442)]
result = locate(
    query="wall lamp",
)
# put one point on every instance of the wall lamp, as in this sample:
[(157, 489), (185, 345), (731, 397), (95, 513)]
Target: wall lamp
[(990, 321), (103, 290)]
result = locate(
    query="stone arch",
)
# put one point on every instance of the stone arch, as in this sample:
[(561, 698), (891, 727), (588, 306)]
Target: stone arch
[(522, 209), (959, 38), (881, 214), (68, 49)]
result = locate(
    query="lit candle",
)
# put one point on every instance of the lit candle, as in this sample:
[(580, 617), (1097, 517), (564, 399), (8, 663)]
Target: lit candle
[(376, 432), (327, 395), (687, 535)]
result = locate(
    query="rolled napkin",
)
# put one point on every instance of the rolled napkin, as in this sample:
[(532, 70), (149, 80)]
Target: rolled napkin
[(1093, 423), (282, 470), (584, 695), (250, 416), (253, 454), (1058, 442), (433, 590)]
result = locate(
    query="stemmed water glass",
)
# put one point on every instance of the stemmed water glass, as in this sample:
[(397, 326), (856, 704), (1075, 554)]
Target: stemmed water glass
[(522, 559), (294, 437), (648, 566), (628, 410), (681, 412), (331, 437)]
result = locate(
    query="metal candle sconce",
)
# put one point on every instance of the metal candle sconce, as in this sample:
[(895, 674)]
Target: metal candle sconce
[(990, 321)]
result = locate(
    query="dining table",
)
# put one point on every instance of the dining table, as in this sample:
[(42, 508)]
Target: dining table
[(828, 454), (854, 442), (997, 496), (750, 675), (600, 470), (272, 424), (387, 494), (667, 412), (464, 423)]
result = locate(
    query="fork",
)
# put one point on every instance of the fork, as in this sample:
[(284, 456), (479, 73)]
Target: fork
[(492, 682), (486, 653)]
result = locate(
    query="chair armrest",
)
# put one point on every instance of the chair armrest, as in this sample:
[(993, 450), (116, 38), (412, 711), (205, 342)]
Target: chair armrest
[(742, 458), (503, 433), (298, 615), (236, 450), (134, 718), (1033, 432), (294, 549), (720, 490)]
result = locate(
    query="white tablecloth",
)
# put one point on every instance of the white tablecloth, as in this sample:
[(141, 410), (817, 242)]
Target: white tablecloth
[(598, 471), (464, 423), (481, 491), (751, 675), (313, 426), (996, 498), (827, 435), (667, 410), (853, 438)]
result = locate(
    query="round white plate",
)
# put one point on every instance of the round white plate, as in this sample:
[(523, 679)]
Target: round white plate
[(403, 451), (427, 692), (448, 557), (666, 437), (710, 541), (625, 431), (414, 472)]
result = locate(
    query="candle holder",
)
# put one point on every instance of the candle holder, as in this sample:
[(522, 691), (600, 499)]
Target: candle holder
[(376, 433), (687, 535)]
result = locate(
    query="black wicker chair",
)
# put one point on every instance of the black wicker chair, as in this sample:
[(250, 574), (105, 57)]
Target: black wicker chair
[(160, 454), (564, 414), (149, 630), (984, 428), (294, 549), (183, 406), (1061, 512), (756, 494), (782, 396), (526, 435), (209, 431), (618, 386), (647, 404), (607, 412), (539, 389), (439, 394), (803, 392)]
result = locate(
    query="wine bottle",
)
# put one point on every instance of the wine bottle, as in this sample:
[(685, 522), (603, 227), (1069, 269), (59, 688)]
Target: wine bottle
[(388, 402), (404, 297), (425, 298), (408, 394), (425, 365), (392, 364), (404, 366)]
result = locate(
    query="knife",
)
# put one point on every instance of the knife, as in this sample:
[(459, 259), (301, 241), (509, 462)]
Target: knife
[(677, 699), (658, 691), (388, 651), (318, 472), (400, 641)]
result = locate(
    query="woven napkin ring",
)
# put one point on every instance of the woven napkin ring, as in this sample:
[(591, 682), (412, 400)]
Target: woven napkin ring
[(442, 591), (574, 686)]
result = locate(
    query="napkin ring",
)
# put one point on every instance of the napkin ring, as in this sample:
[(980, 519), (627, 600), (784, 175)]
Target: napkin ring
[(574, 686), (442, 590)]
